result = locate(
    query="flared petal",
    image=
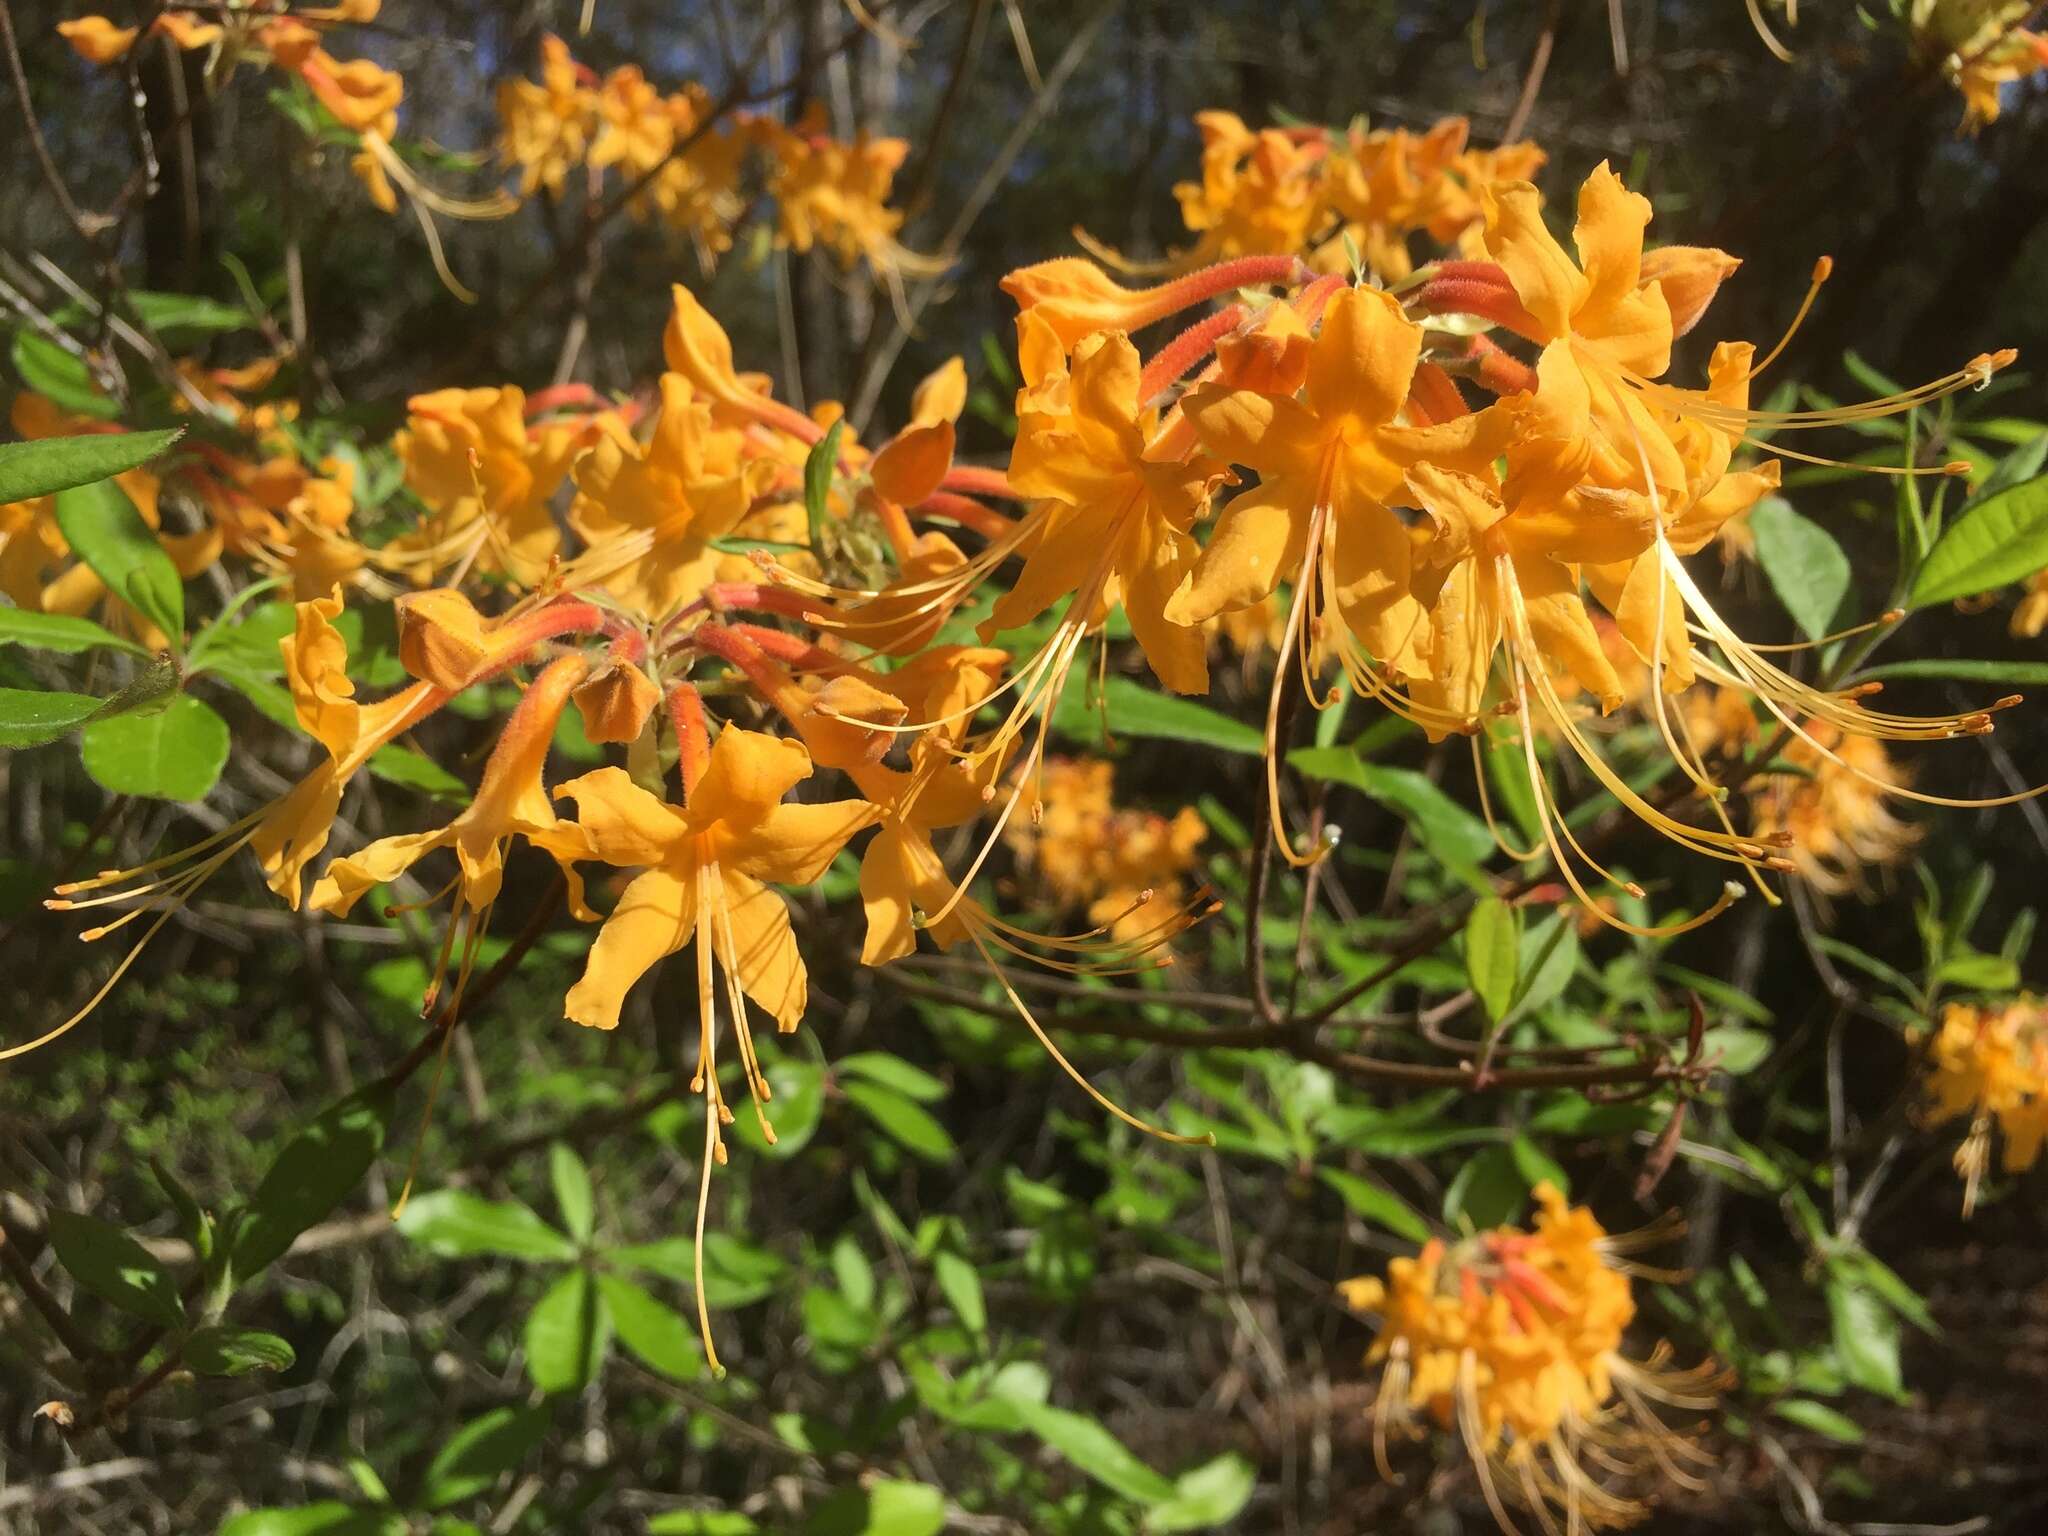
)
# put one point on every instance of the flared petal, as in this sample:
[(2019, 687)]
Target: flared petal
[(348, 880), (655, 917), (747, 777), (620, 823), (1178, 653), (1545, 279), (764, 954), (794, 844), (1563, 629), (1272, 434), (1363, 359), (1259, 539)]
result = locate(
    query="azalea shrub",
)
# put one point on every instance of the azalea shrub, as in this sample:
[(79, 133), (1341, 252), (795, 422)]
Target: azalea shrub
[(1366, 864)]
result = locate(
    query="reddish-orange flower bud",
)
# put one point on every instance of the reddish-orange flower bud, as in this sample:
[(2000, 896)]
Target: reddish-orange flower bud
[(615, 703)]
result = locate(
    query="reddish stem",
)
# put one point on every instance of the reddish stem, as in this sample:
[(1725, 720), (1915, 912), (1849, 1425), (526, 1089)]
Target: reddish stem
[(693, 735), (979, 480), (1434, 397), (967, 512), (1185, 350)]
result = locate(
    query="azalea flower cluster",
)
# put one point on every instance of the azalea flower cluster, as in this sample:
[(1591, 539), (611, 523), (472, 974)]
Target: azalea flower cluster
[(1468, 493), (360, 96), (1125, 868), (685, 158), (1513, 1338), (1989, 1066)]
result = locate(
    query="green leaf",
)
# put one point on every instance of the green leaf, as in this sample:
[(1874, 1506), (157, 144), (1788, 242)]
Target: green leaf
[(566, 1334), (32, 718), (312, 1175), (1488, 1190), (702, 1522), (49, 369), (175, 753), (885, 1507), (902, 1121), (1803, 563), (1866, 1338), (108, 534), (224, 1351), (1382, 1207), (1095, 1451), (1995, 541), (2023, 674), (58, 632), (1493, 955), (893, 1072), (1213, 1494), (654, 1333), (736, 1272), (799, 1103), (1443, 827), (115, 1268), (573, 1197), (481, 1452), (1130, 709), (176, 312), (459, 1225), (52, 464), (1979, 973), (1819, 1418), (330, 1517), (415, 770), (819, 467), (961, 1285)]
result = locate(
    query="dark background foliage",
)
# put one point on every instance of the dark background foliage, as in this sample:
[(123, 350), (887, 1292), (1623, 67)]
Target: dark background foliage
[(1183, 1300)]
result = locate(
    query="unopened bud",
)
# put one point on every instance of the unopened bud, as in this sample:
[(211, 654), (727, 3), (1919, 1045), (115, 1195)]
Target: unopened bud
[(615, 703)]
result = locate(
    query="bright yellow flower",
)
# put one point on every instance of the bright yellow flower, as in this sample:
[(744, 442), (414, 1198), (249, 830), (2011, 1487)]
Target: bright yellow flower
[(1514, 1339), (1991, 1066), (511, 801), (1260, 193), (703, 878), (1126, 868), (651, 514), (97, 40), (545, 125), (1832, 814), (485, 480)]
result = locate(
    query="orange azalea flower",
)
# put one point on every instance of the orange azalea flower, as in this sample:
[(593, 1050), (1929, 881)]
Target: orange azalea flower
[(704, 869), (1514, 1338), (545, 125), (485, 481), (1990, 1065)]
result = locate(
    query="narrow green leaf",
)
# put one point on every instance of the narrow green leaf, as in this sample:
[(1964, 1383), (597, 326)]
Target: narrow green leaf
[(1130, 709), (49, 369), (31, 718), (175, 753), (1493, 955), (1382, 1207), (819, 469), (1866, 1336), (1095, 1451), (481, 1452), (1995, 541), (52, 464), (1443, 827), (459, 1225), (902, 1121), (702, 1522), (884, 1507), (1213, 1494), (114, 1267), (566, 1333), (58, 632), (330, 1517), (312, 1175), (108, 534), (1803, 563), (653, 1332), (224, 1351), (1819, 1418), (573, 1197), (961, 1285), (415, 770), (893, 1072), (736, 1272)]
